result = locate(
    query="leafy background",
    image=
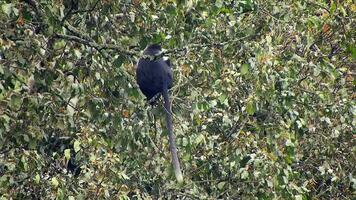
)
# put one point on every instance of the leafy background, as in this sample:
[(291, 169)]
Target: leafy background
[(263, 99)]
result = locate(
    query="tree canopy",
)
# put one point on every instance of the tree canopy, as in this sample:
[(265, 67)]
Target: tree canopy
[(263, 99)]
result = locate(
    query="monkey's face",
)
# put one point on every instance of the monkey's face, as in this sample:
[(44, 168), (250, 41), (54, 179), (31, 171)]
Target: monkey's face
[(153, 50)]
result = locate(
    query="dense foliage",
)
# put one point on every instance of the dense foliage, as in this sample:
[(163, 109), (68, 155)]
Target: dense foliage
[(263, 99)]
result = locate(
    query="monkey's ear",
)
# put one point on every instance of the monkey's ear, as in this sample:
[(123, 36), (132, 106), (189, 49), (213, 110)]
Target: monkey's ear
[(166, 60)]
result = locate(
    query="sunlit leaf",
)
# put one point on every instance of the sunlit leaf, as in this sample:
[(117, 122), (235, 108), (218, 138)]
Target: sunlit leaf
[(7, 8), (244, 69), (250, 108), (76, 145), (67, 154), (54, 182)]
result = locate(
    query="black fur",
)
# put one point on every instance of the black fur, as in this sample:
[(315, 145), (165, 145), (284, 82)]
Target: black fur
[(154, 76)]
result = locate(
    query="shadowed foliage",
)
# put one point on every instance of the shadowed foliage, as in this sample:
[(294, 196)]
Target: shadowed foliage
[(263, 99)]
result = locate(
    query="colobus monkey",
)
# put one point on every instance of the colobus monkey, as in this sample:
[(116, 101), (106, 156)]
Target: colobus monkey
[(154, 76)]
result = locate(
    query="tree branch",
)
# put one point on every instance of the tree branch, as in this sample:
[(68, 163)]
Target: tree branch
[(95, 45)]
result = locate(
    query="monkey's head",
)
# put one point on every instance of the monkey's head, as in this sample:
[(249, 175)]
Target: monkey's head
[(153, 50)]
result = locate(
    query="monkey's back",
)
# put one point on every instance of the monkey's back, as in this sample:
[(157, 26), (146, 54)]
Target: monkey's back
[(152, 76)]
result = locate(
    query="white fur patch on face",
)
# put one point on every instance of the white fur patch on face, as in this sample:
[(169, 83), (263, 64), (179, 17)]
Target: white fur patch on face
[(158, 53)]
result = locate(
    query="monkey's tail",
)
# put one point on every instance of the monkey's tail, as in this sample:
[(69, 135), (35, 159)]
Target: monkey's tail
[(172, 142)]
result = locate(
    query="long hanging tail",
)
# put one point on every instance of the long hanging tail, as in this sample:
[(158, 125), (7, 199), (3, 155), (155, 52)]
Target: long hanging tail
[(172, 142)]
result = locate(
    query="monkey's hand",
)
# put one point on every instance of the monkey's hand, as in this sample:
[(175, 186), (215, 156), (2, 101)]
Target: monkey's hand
[(153, 100)]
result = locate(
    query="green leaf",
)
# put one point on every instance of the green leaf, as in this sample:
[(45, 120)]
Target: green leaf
[(16, 101), (251, 108), (67, 154), (213, 103), (24, 163), (332, 8), (26, 15), (200, 139), (222, 98), (54, 182), (26, 138), (97, 75), (124, 176), (244, 175), (298, 197), (221, 185), (352, 49), (118, 61), (76, 146), (37, 178), (219, 3), (7, 8), (244, 69), (77, 53)]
